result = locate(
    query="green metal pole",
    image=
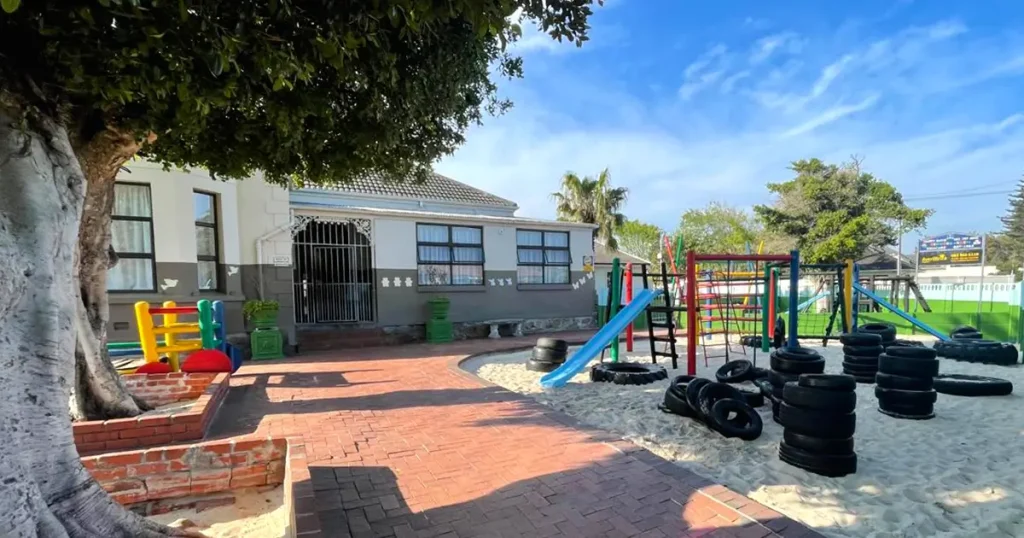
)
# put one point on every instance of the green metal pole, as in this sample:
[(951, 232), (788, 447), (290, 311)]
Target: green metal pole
[(616, 298), (206, 323), (769, 296)]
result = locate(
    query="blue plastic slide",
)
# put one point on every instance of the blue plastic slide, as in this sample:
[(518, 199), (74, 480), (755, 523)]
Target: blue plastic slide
[(615, 326), (807, 304), (889, 306)]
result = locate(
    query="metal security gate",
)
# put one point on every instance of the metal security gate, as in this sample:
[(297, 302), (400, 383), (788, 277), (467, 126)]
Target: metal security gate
[(332, 262)]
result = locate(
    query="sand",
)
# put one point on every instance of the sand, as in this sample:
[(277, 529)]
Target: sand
[(960, 474), (254, 514), (171, 408)]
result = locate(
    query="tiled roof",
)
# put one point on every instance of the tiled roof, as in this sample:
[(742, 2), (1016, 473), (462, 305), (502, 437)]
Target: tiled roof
[(436, 187)]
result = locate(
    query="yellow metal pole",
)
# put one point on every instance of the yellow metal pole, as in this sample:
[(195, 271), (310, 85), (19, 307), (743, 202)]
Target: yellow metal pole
[(169, 338), (144, 322)]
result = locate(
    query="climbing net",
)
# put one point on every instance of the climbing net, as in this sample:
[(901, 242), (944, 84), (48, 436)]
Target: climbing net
[(821, 308), (730, 305)]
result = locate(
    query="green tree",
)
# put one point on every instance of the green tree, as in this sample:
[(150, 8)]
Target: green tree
[(835, 212), (317, 90), (719, 228), (640, 239), (593, 201), (1006, 248)]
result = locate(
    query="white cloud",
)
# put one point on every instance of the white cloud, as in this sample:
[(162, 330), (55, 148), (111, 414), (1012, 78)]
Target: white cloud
[(698, 75), (830, 115), (766, 46)]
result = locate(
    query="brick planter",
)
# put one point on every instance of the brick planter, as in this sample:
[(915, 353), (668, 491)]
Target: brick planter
[(160, 480), (208, 391)]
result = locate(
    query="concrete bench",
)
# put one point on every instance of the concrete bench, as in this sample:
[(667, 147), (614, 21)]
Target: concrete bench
[(517, 326)]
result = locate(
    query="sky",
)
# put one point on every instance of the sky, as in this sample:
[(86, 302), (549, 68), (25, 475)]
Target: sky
[(689, 102)]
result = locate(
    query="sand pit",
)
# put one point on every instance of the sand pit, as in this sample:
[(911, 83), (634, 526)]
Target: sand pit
[(254, 514), (958, 475)]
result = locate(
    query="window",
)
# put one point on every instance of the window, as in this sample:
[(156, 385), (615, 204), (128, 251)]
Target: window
[(543, 257), (206, 240), (131, 237), (449, 255)]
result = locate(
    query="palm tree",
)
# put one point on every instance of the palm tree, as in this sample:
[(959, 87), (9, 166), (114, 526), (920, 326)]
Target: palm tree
[(592, 201)]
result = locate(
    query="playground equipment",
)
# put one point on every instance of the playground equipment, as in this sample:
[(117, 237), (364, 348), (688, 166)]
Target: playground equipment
[(209, 326), (896, 310)]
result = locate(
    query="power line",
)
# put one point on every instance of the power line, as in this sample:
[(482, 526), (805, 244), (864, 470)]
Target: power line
[(956, 195), (959, 190)]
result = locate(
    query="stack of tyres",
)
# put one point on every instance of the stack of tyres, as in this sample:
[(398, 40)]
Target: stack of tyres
[(818, 419), (788, 364), (906, 381), (548, 355), (860, 355)]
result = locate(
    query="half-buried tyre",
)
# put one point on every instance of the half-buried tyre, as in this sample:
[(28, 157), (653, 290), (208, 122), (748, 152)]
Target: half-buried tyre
[(736, 371), (817, 444), (824, 424), (831, 465), (734, 418), (835, 401), (627, 373), (887, 331), (972, 385), (539, 366)]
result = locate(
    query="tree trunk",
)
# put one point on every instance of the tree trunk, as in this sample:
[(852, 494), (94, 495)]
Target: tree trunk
[(45, 489), (101, 392)]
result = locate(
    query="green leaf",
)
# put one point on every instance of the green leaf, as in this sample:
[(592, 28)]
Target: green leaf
[(10, 5)]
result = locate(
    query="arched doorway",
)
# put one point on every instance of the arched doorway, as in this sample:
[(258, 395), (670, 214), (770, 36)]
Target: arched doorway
[(333, 271)]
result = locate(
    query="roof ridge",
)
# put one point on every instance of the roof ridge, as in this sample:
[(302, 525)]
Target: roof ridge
[(436, 187), (467, 185)]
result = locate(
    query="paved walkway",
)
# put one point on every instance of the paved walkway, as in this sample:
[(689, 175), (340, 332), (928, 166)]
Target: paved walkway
[(402, 443)]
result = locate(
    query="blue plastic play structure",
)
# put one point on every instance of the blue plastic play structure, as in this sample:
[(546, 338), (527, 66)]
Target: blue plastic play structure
[(892, 308), (614, 327), (807, 304)]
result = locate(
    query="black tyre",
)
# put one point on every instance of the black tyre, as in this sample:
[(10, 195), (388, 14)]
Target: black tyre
[(885, 330), (736, 371), (627, 373), (681, 381), (746, 424), (778, 379), (552, 343), (776, 408), (863, 351), (797, 353), (759, 373), (907, 343), (818, 445), (797, 367), (853, 369), (753, 397), (962, 329), (905, 398), (835, 401), (863, 361), (919, 412), (538, 366), (908, 367), (823, 424), (766, 387), (712, 393), (968, 336), (544, 354), (972, 385), (693, 394), (910, 352), (822, 464), (864, 379), (860, 339), (827, 382), (899, 382), (675, 402)]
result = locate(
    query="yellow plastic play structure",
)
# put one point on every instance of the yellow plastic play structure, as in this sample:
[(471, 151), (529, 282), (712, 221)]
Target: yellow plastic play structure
[(179, 337)]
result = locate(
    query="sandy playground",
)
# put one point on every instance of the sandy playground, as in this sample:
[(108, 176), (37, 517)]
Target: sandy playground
[(255, 514), (959, 475)]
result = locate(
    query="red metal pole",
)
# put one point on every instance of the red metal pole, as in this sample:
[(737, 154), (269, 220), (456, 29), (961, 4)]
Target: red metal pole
[(691, 313), (771, 303), (629, 299)]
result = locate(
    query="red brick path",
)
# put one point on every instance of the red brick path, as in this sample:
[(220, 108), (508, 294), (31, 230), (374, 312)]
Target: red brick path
[(401, 443)]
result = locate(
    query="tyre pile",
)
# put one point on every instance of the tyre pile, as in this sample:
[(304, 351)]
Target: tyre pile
[(817, 413), (787, 365), (548, 354), (721, 407), (906, 382), (860, 355)]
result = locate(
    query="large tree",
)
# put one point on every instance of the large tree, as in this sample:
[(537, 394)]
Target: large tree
[(835, 212), (640, 239), (593, 201), (1006, 249), (719, 228), (313, 89)]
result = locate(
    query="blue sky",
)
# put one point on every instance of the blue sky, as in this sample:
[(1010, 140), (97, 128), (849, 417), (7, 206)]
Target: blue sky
[(689, 102)]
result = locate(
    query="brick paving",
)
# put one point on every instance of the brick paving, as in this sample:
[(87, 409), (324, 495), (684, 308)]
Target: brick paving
[(401, 443)]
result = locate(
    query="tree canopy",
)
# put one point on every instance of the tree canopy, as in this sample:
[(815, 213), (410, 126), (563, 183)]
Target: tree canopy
[(1006, 248), (719, 228), (593, 201), (640, 239), (835, 212)]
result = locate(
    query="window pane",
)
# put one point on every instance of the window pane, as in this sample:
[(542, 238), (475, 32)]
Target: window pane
[(467, 235), (556, 275), (468, 254), (434, 275), (526, 238), (429, 233), (556, 239), (132, 201), (557, 256), (207, 275), (435, 254), (131, 236), (467, 275), (530, 275), (531, 255), (204, 208), (131, 274), (206, 241)]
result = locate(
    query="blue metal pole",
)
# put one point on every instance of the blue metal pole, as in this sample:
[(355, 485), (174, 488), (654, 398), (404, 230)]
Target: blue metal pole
[(794, 286), (856, 297)]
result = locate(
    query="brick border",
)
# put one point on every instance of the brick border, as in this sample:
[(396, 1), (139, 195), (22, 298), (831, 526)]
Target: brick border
[(718, 499), (96, 437), (306, 521)]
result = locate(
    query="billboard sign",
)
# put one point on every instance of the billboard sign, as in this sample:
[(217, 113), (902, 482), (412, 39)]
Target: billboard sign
[(951, 249)]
